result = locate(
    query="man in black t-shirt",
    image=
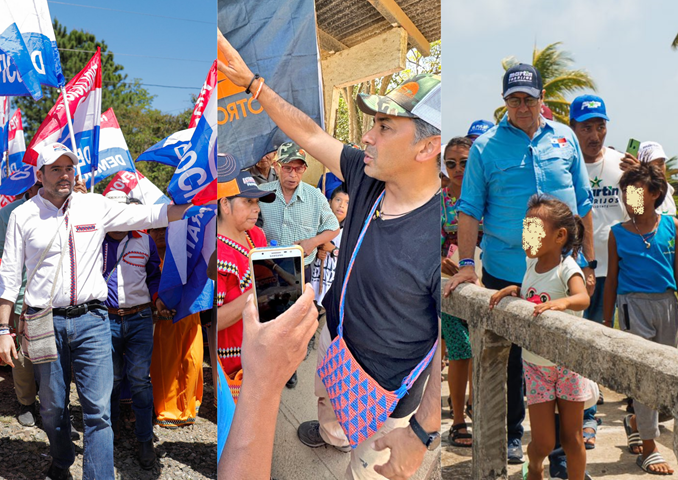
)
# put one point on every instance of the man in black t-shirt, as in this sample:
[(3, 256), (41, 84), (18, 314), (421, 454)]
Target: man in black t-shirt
[(392, 299)]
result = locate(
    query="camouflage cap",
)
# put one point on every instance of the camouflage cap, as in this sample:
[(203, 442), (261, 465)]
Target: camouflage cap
[(416, 97), (290, 151)]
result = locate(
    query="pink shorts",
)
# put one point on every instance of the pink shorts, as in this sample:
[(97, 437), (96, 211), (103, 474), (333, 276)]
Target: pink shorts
[(544, 384)]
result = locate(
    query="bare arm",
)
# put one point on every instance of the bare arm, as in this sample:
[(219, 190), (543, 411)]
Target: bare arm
[(7, 348), (312, 243), (589, 252), (295, 123), (271, 352), (229, 313), (610, 293), (467, 239), (176, 212)]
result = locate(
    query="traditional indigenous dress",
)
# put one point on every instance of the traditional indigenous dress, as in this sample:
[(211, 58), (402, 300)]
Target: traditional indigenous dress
[(176, 371), (233, 279)]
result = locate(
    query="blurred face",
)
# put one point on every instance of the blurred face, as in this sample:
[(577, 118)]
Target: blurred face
[(389, 146), (58, 179), (591, 135), (524, 115), (455, 163), (33, 191), (290, 174), (539, 236), (266, 161), (339, 206), (638, 199), (242, 212)]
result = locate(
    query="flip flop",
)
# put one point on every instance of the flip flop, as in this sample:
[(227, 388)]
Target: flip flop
[(455, 435), (525, 470), (632, 438), (652, 459), (589, 435)]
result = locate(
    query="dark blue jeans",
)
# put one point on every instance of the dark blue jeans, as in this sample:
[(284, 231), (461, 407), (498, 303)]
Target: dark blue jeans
[(515, 396), (83, 343), (132, 336)]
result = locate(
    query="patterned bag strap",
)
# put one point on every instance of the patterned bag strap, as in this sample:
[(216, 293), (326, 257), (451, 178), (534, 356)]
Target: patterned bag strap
[(414, 374), (44, 254)]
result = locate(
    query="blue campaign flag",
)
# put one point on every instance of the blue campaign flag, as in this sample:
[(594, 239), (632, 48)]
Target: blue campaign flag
[(277, 40), (170, 150), (22, 175), (184, 284), (16, 68), (198, 166)]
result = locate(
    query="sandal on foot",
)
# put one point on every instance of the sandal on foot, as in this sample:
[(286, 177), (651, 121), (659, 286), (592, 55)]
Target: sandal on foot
[(469, 410), (591, 436), (455, 435), (632, 438), (652, 459)]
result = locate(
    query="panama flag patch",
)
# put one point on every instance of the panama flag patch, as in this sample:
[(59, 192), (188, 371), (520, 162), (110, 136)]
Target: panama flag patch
[(559, 142)]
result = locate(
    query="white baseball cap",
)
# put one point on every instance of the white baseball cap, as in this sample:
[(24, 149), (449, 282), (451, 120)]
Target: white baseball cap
[(117, 196), (51, 153), (649, 151)]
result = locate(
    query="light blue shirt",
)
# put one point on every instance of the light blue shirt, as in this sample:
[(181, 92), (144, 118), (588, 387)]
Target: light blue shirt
[(505, 168)]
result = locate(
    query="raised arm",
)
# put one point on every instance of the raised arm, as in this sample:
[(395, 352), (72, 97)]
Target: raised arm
[(295, 123)]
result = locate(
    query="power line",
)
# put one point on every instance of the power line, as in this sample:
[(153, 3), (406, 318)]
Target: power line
[(133, 55), (134, 13)]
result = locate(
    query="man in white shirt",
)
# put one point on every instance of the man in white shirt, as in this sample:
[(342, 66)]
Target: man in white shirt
[(81, 327)]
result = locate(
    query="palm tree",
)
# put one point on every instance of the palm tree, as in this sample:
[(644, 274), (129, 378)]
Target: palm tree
[(554, 65)]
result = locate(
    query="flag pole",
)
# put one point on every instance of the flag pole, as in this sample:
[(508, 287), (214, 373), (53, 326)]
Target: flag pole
[(94, 172), (70, 130), (136, 173)]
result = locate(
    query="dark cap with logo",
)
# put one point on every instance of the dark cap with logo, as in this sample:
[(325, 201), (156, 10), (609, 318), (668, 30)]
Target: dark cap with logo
[(522, 78)]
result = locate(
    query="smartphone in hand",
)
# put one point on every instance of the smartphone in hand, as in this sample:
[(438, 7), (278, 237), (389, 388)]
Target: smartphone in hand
[(278, 274), (633, 147)]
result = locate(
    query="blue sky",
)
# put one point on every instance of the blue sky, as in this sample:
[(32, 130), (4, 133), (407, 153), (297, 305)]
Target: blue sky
[(187, 42), (624, 45)]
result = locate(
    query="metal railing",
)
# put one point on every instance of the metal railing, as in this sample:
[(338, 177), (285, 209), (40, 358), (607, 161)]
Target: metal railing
[(625, 363)]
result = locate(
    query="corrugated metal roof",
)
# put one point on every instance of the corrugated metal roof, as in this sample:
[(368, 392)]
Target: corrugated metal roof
[(353, 21)]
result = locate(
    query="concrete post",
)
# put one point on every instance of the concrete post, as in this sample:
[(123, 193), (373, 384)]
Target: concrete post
[(490, 360)]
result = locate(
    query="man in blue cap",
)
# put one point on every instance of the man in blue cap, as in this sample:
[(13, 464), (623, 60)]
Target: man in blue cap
[(523, 155), (478, 128)]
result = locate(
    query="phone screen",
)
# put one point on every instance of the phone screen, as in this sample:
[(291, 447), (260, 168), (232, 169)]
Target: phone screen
[(278, 285)]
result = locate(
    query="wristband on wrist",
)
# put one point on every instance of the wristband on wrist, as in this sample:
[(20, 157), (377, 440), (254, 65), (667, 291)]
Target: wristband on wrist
[(261, 85), (467, 262), (247, 90)]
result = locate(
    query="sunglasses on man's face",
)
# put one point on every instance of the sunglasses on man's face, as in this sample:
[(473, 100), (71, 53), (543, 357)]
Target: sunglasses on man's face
[(451, 164), (515, 102)]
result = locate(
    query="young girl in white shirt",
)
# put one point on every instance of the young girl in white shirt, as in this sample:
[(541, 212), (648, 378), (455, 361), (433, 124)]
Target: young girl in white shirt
[(552, 235)]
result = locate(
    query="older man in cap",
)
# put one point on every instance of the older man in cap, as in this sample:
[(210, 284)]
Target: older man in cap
[(391, 302), (523, 155), (57, 235)]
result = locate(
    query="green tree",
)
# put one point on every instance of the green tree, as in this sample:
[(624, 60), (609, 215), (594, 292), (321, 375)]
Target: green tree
[(143, 127), (554, 66), (75, 49)]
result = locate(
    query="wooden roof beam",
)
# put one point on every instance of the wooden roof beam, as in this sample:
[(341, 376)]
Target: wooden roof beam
[(328, 43), (392, 12)]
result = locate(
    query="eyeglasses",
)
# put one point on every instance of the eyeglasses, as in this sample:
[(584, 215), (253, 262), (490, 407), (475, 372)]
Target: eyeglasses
[(515, 102), (451, 164), (287, 169)]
